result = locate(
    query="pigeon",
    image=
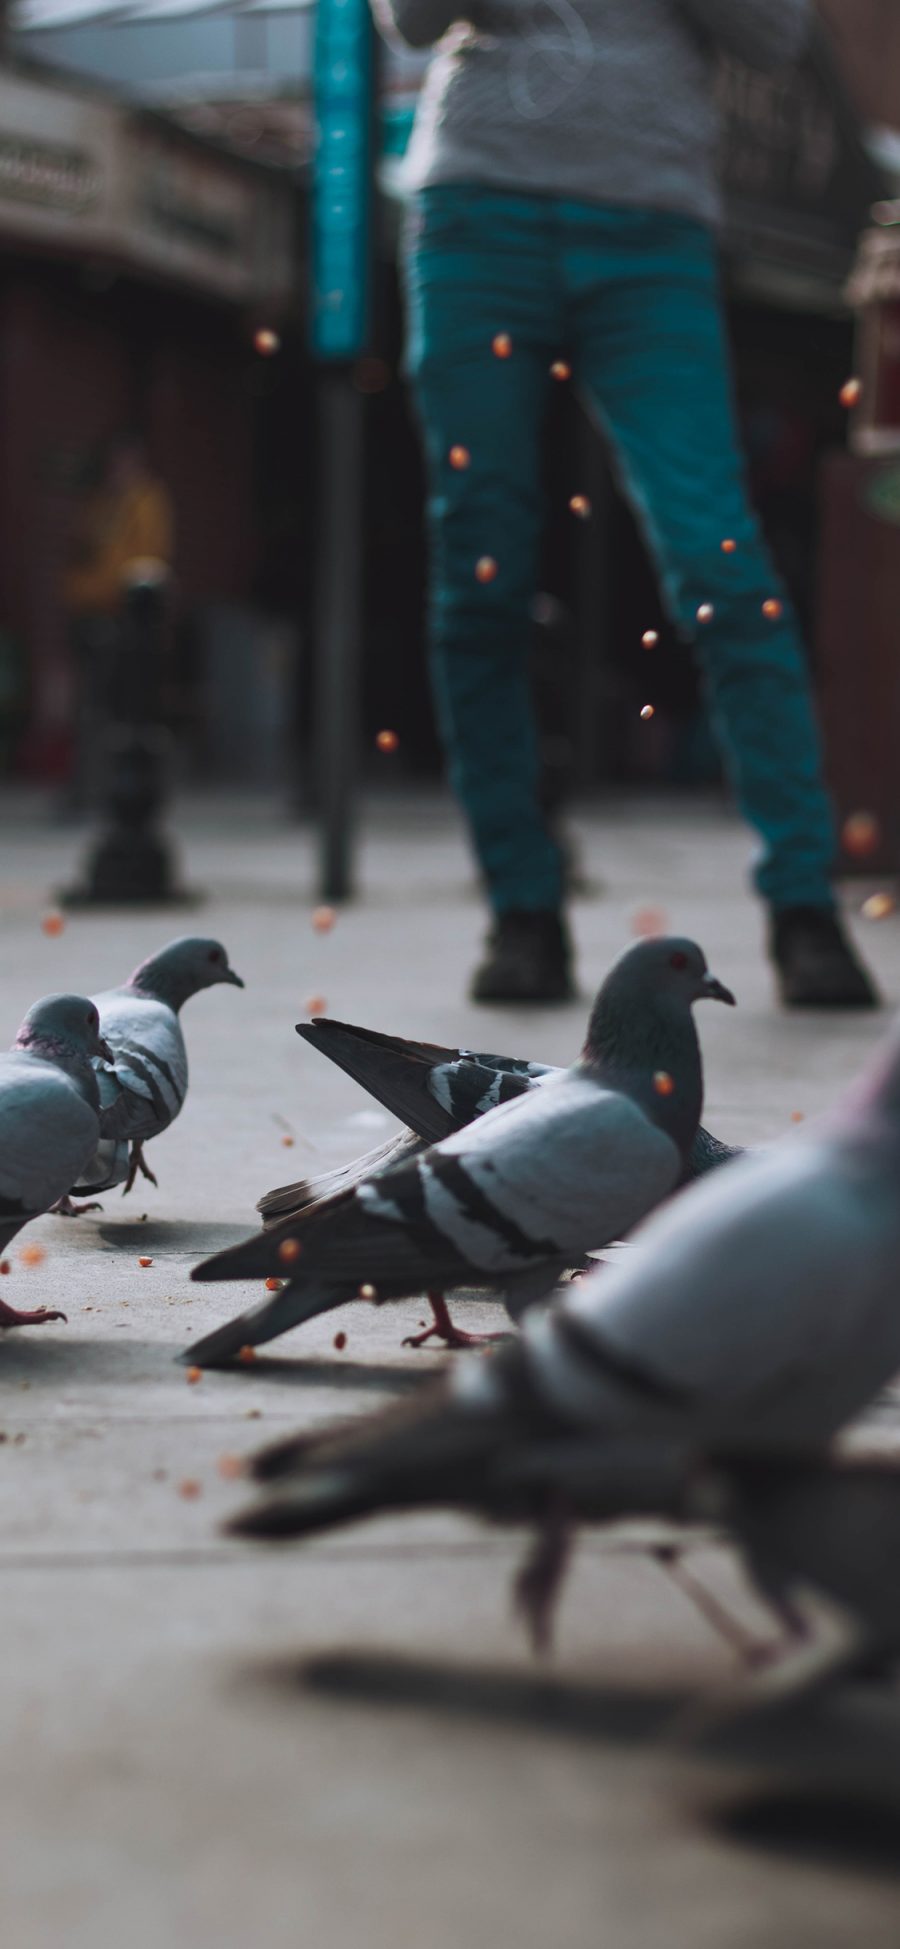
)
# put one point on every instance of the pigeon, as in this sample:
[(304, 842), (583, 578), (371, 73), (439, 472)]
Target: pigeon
[(49, 1117), (755, 1314), (515, 1198), (820, 1539), (435, 1091), (144, 1086)]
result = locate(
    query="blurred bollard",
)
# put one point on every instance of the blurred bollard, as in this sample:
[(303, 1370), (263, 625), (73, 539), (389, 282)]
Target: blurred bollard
[(130, 863)]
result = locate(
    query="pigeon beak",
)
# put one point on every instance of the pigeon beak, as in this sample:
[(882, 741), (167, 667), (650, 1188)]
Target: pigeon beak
[(716, 991), (235, 979), (104, 1050)]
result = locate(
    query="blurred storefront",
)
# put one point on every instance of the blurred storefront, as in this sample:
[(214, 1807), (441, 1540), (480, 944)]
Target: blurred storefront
[(136, 262), (806, 154)]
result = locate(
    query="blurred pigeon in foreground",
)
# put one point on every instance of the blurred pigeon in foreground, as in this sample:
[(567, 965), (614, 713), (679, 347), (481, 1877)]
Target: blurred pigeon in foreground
[(49, 1117), (521, 1194), (144, 1091), (435, 1091), (757, 1313), (821, 1540)]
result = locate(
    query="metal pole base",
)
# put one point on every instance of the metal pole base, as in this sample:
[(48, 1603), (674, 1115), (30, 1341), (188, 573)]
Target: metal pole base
[(129, 869)]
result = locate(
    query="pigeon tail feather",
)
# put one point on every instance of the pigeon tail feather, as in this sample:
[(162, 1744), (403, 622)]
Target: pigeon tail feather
[(291, 1307), (394, 1072), (257, 1257), (434, 1450), (337, 1186)]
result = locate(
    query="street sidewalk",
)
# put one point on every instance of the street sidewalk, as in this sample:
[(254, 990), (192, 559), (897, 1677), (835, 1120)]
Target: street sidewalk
[(211, 1747)]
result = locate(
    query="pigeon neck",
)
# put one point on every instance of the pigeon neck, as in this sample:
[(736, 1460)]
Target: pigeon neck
[(653, 1056), (159, 983), (65, 1056)]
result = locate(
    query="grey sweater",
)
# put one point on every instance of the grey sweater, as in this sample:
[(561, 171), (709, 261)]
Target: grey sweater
[(610, 101)]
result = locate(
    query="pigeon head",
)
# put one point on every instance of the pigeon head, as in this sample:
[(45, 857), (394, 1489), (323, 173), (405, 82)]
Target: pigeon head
[(659, 977), (184, 967), (641, 1037), (64, 1028)]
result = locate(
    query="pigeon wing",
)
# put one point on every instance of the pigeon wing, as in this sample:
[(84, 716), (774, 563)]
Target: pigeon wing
[(47, 1132), (150, 1063), (563, 1170), (767, 1291)]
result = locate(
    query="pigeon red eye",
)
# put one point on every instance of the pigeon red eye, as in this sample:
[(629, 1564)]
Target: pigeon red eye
[(678, 960), (215, 957)]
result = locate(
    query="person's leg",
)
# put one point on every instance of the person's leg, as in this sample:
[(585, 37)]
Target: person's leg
[(478, 266), (650, 349)]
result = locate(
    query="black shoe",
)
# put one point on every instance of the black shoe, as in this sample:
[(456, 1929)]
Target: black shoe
[(815, 964), (529, 959)]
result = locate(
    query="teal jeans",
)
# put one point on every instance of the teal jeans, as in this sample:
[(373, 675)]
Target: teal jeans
[(630, 299)]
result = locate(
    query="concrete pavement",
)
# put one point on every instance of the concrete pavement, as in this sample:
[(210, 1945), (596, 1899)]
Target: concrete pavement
[(349, 1745)]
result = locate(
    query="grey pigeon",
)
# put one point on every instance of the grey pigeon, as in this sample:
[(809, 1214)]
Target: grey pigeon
[(49, 1117), (143, 1091), (756, 1314), (521, 1194), (435, 1091), (821, 1540)]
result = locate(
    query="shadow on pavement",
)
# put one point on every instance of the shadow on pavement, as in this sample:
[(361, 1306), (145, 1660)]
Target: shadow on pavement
[(823, 1829), (548, 1705), (181, 1235), (328, 1373), (44, 1357)]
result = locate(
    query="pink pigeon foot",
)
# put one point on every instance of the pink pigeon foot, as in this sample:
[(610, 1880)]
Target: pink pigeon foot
[(64, 1207), (136, 1163), (11, 1316), (442, 1328)]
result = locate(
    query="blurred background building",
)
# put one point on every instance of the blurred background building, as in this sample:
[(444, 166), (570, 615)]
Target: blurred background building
[(154, 177)]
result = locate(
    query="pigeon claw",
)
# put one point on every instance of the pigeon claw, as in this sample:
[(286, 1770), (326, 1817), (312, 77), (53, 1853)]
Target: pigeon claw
[(443, 1329), (12, 1316), (136, 1164), (64, 1207), (538, 1584)]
